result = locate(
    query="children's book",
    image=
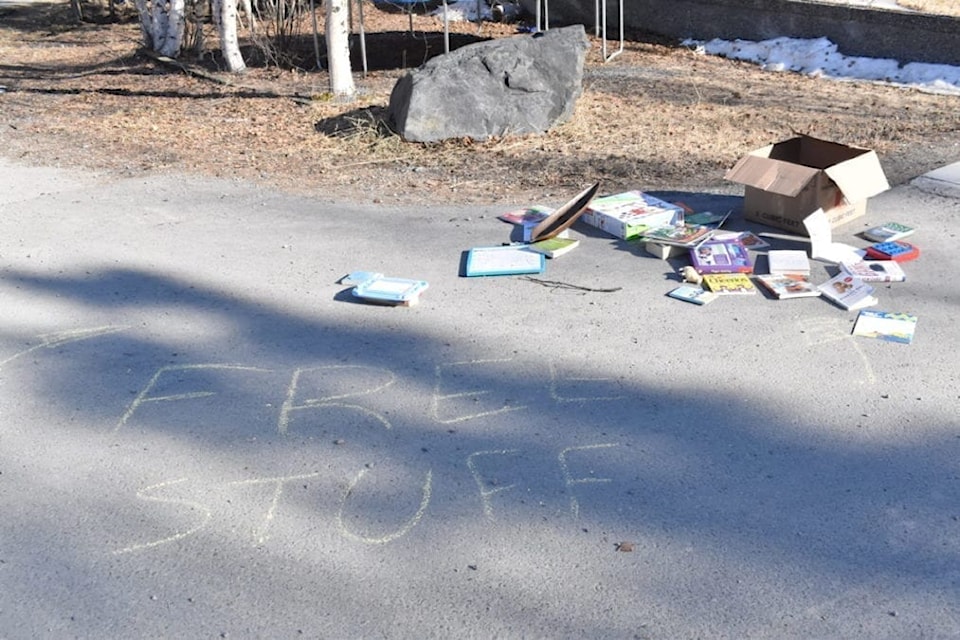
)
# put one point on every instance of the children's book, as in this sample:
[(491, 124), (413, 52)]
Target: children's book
[(665, 251), (503, 261), (896, 250), (629, 214), (721, 256), (788, 261), (683, 235), (789, 285), (726, 284), (875, 270), (691, 293), (555, 247), (848, 292), (889, 232), (749, 239), (883, 325)]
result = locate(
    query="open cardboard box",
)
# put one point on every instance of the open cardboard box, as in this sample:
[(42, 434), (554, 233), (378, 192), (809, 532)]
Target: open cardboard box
[(787, 181)]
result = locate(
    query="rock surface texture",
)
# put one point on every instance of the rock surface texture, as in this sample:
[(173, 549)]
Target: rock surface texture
[(519, 85)]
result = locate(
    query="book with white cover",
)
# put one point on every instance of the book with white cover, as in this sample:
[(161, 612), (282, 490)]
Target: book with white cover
[(788, 261)]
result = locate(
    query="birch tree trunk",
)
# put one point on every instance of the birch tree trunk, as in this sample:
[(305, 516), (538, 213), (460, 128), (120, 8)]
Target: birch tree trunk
[(225, 12), (172, 38), (338, 48)]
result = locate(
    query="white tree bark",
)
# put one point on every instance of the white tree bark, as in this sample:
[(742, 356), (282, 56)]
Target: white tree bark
[(146, 28), (173, 36), (338, 48), (226, 17)]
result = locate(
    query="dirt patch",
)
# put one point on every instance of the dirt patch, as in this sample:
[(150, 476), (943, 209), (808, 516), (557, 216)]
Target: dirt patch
[(656, 117)]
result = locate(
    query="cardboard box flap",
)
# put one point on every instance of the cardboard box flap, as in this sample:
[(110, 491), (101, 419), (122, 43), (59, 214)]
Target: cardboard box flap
[(859, 178), (775, 176)]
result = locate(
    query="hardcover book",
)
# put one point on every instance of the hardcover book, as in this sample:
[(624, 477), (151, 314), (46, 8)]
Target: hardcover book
[(848, 292), (789, 285), (721, 256), (883, 325), (889, 232), (875, 270), (725, 284), (691, 293)]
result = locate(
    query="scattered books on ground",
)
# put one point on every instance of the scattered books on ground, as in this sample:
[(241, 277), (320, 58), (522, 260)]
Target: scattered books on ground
[(503, 261), (889, 232), (727, 284), (789, 285), (848, 292), (692, 293), (883, 325), (875, 270), (822, 246)]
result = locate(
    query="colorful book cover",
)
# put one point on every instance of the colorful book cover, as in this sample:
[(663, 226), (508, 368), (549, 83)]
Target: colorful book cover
[(888, 232), (721, 256), (630, 214), (883, 325), (527, 216), (725, 284), (555, 247), (681, 235), (895, 250), (789, 285), (691, 293), (875, 270)]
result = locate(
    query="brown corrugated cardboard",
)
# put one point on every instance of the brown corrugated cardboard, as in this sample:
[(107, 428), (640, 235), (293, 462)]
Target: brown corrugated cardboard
[(787, 181)]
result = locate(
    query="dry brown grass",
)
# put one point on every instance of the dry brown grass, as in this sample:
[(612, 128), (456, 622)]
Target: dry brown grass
[(939, 7), (656, 117)]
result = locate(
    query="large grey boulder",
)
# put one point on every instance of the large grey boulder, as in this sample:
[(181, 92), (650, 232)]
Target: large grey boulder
[(518, 85)]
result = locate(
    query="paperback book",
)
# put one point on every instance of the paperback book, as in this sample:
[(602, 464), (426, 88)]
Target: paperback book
[(726, 284), (848, 292), (789, 285), (683, 235), (555, 247), (692, 293), (883, 325), (889, 232), (788, 261), (875, 270), (721, 256)]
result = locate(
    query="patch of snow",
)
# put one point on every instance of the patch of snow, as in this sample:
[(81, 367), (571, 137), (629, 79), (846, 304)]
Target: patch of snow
[(819, 57)]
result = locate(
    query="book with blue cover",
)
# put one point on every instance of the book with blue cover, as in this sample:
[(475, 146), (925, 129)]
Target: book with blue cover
[(505, 260)]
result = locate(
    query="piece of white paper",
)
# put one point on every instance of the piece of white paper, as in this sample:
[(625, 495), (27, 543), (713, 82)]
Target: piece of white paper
[(822, 246)]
